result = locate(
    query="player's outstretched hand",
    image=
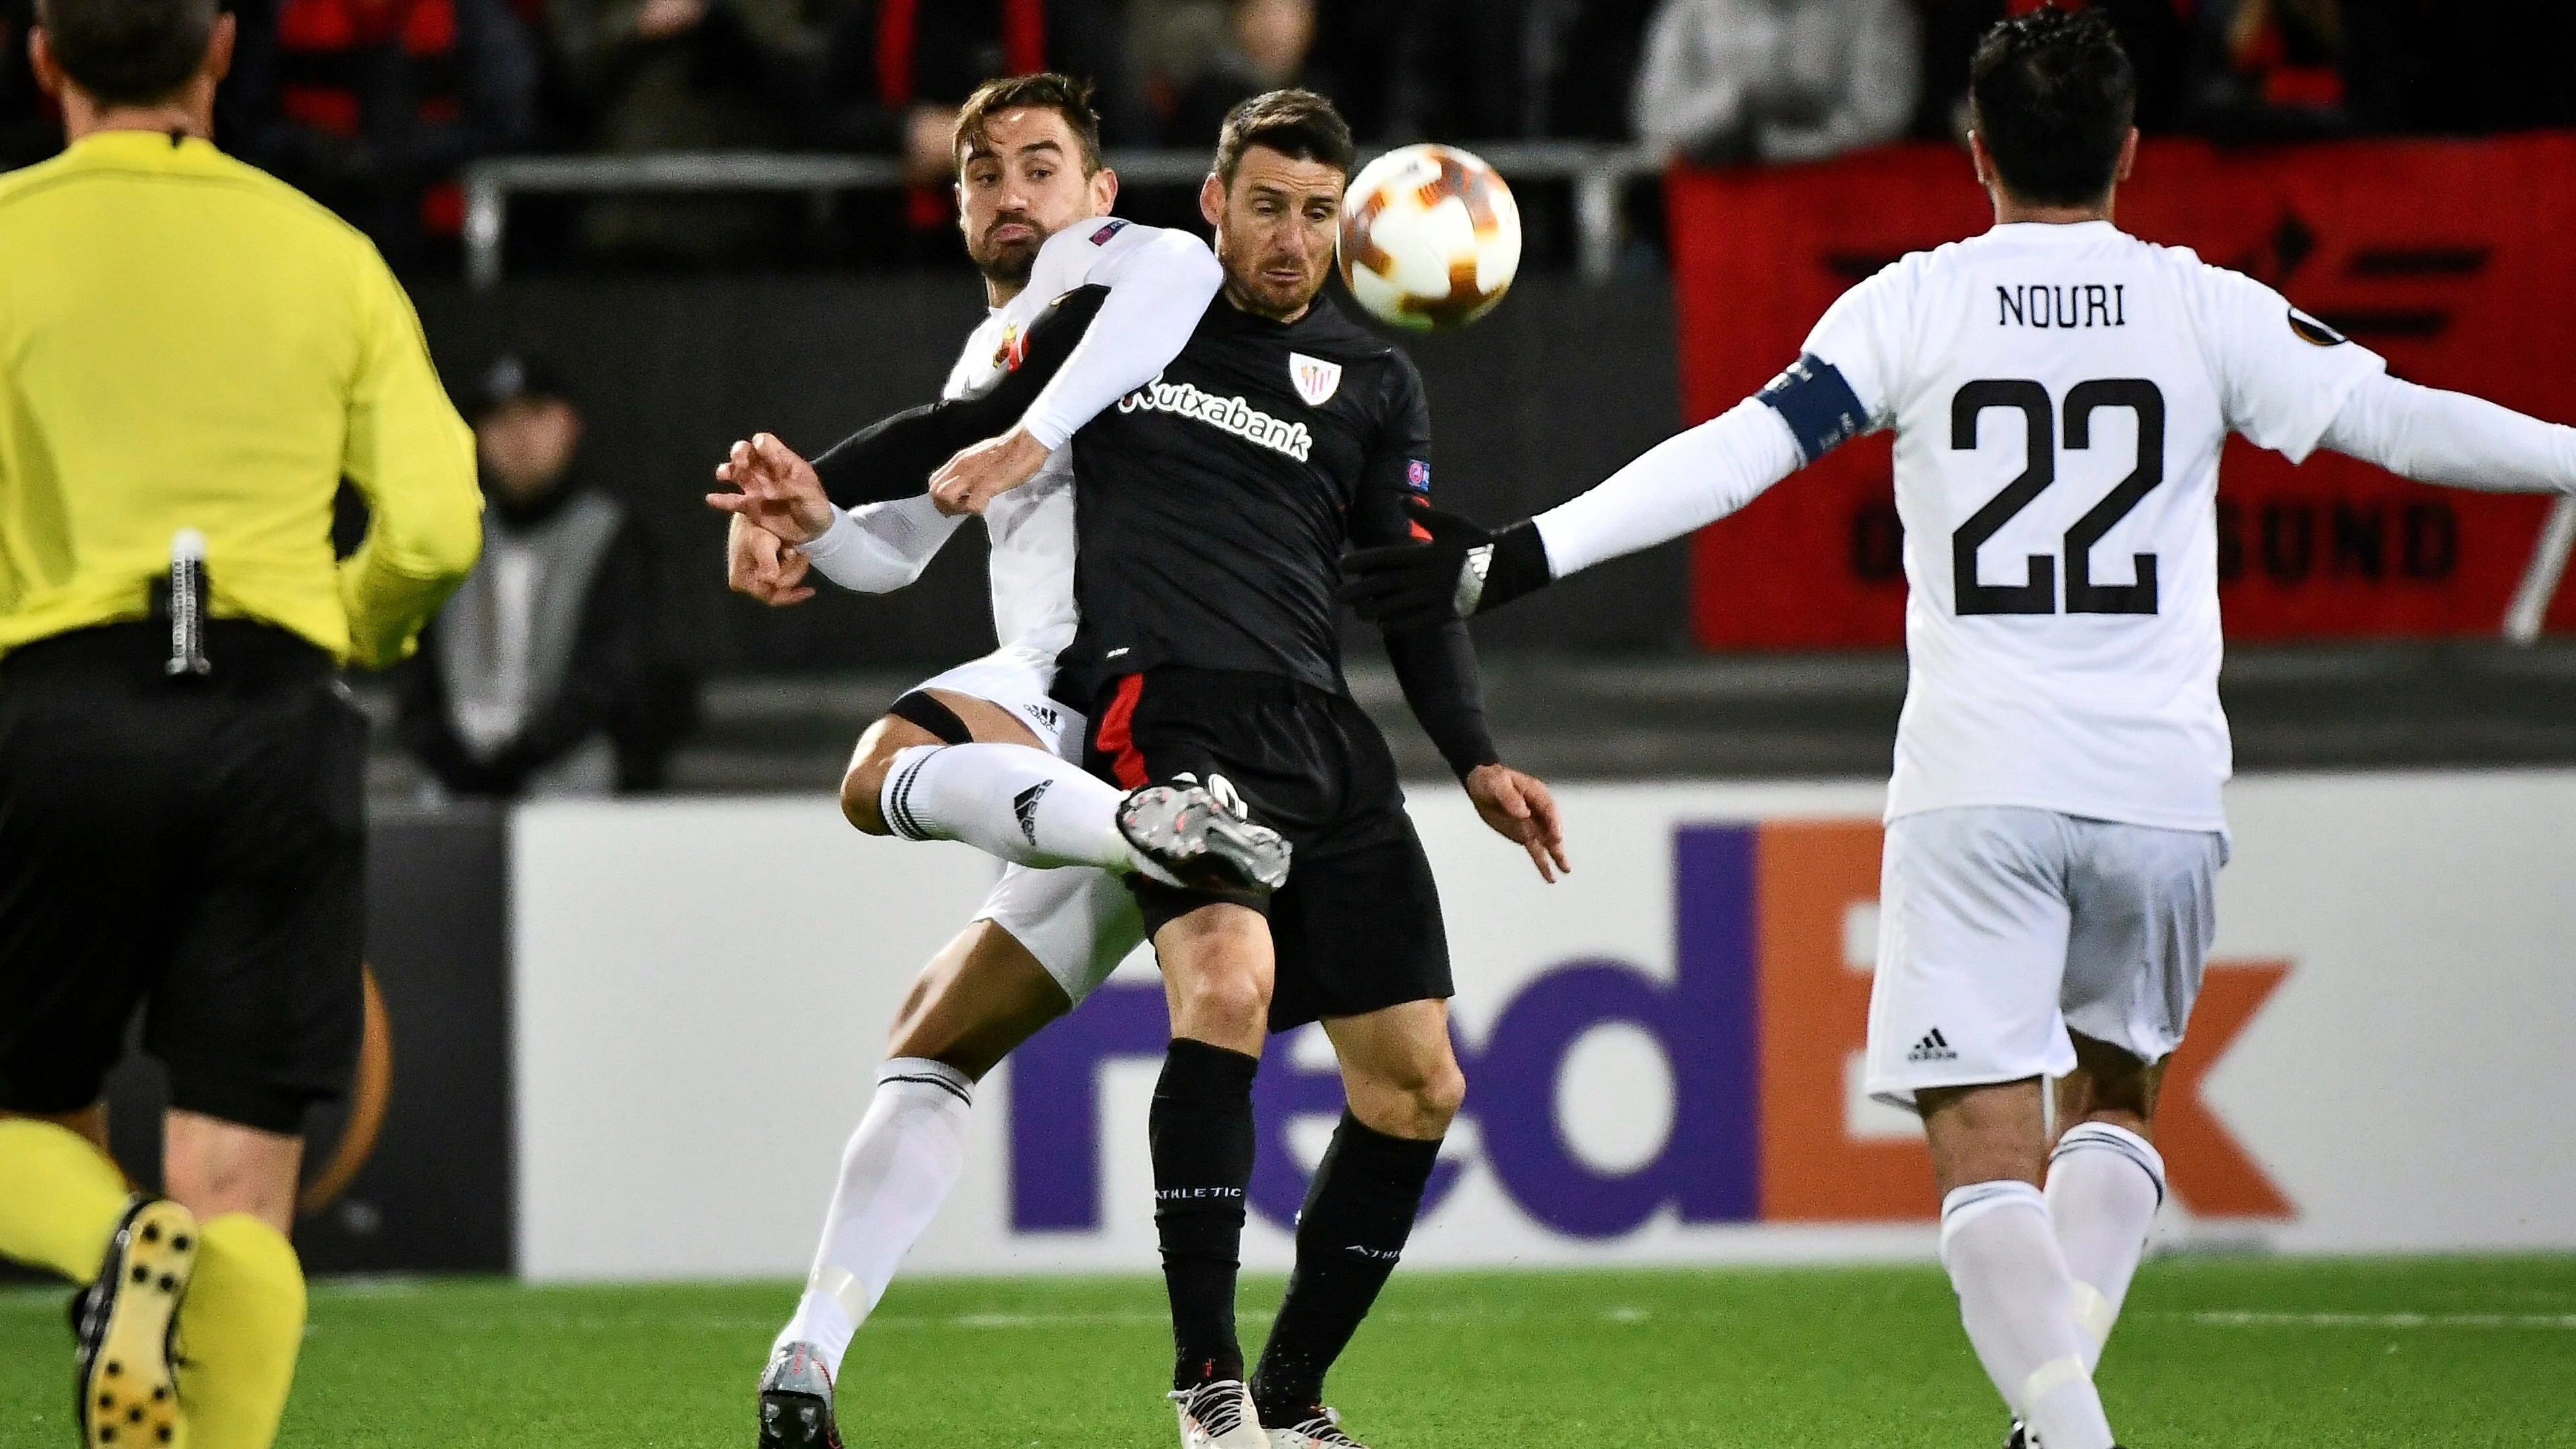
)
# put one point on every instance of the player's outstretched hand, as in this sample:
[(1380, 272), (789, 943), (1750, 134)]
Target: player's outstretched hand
[(1454, 569), (779, 490), (757, 563), (978, 475), (1520, 810)]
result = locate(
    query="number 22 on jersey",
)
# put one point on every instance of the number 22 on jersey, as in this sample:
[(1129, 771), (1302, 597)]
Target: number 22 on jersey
[(2037, 593)]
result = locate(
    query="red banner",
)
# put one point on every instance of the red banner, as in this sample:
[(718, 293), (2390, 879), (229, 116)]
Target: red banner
[(2455, 260)]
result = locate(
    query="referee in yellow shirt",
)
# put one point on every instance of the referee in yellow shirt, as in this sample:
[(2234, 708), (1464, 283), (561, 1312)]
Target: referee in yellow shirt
[(192, 357)]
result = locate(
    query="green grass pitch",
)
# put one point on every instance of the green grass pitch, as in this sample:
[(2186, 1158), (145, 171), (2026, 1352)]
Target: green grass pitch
[(2212, 1351)]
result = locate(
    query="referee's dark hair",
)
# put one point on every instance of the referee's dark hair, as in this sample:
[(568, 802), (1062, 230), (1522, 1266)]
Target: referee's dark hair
[(1300, 125), (128, 52), (2054, 98)]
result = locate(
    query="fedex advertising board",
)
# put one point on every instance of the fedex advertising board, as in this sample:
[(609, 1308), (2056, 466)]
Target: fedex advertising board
[(1662, 1051)]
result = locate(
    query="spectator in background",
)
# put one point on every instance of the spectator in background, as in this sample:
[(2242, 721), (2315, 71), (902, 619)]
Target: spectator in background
[(551, 671), (1264, 46), (896, 71), (370, 106), (2153, 33), (1777, 80), (687, 75), (2268, 70)]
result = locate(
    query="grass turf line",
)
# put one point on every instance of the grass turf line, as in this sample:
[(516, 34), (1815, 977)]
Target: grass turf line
[(2211, 1352)]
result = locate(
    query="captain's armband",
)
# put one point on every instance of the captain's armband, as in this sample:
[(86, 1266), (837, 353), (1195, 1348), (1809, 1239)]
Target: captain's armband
[(1819, 406)]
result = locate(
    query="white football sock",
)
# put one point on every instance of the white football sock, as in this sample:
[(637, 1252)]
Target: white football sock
[(2018, 1305), (2104, 1186), (1021, 804), (900, 1164)]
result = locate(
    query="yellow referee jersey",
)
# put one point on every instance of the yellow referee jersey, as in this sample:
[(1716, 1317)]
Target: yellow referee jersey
[(187, 342)]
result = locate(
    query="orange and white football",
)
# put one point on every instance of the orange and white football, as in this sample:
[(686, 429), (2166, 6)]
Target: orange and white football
[(1430, 237)]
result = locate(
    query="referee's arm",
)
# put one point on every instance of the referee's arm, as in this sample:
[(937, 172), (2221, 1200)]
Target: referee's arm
[(412, 459)]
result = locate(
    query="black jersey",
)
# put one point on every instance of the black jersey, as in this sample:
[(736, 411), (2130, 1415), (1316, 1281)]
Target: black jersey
[(1213, 505)]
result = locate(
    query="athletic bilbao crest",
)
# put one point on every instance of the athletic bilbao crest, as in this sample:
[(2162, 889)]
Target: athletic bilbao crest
[(1316, 379)]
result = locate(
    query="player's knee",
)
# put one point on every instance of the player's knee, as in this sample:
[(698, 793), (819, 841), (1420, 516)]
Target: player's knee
[(1418, 1099), (861, 787), (1432, 1098), (1234, 1001), (2109, 1085)]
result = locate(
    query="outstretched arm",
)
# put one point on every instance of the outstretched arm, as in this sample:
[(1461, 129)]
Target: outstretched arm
[(2452, 438), (1680, 485)]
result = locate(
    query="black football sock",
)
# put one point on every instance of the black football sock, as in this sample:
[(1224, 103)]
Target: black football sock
[(1349, 1235), (1202, 1145)]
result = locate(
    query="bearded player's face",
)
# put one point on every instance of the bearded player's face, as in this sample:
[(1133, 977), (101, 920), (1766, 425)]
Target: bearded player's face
[(1276, 226), (1019, 182)]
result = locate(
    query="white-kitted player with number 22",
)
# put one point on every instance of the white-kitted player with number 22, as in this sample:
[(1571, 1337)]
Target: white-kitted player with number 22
[(2060, 391)]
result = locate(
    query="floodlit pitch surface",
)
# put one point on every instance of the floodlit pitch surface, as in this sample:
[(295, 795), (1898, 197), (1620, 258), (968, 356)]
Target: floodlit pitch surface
[(2213, 1351)]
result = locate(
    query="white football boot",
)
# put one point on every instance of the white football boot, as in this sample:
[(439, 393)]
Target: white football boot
[(1323, 1430), (1219, 1415)]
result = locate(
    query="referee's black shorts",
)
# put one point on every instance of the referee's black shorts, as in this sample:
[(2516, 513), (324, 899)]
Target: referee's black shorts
[(195, 848), (1357, 928)]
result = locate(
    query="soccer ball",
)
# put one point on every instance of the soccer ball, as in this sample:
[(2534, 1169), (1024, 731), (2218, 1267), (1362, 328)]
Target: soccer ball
[(1430, 237)]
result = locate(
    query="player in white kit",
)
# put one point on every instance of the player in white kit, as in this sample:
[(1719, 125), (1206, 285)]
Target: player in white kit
[(2060, 391), (975, 753)]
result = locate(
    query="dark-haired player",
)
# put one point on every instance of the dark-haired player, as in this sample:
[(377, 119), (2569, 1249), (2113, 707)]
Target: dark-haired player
[(2059, 392), (1212, 508), (972, 754)]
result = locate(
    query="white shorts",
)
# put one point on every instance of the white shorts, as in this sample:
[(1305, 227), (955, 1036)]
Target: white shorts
[(1017, 678), (1080, 922), (2002, 929)]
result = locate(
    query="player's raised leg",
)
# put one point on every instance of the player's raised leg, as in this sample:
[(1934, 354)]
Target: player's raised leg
[(1403, 1085), (1217, 974), (945, 765)]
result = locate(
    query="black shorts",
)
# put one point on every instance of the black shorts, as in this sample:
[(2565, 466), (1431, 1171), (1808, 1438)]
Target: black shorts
[(193, 848), (1357, 928)]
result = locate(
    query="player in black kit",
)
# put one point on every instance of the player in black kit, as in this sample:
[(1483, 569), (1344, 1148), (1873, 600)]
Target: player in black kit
[(1213, 508)]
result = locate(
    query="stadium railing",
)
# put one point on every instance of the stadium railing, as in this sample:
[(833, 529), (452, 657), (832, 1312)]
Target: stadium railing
[(1598, 174)]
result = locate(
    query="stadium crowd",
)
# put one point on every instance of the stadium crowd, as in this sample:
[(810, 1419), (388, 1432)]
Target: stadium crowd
[(373, 105)]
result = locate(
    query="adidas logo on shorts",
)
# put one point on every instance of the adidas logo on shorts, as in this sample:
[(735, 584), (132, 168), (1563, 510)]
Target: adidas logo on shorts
[(1933, 1048)]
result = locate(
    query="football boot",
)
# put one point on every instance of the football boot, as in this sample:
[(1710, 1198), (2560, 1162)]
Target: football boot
[(796, 1401), (1203, 842), (1219, 1415), (1318, 1428), (127, 1376)]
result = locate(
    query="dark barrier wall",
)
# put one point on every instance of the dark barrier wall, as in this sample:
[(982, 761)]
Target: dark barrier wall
[(2455, 260), (429, 1188), (1549, 394)]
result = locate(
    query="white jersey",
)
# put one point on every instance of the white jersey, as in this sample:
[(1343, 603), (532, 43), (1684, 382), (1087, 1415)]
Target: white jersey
[(1031, 527), (1160, 282), (2060, 394)]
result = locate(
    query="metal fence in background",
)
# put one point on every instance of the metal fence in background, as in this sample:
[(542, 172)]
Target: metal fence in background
[(1597, 173)]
